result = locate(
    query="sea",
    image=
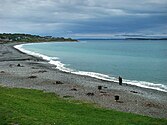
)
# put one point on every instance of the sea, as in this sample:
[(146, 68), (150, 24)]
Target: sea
[(139, 62)]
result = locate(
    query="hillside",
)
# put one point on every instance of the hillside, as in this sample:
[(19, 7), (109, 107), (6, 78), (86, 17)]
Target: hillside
[(30, 38)]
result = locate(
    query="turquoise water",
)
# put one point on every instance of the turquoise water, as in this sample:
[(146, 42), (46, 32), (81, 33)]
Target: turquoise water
[(139, 62)]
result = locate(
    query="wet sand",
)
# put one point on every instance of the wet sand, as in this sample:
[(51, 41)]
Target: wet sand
[(23, 71)]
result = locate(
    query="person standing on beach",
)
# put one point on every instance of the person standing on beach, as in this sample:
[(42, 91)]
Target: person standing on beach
[(120, 80)]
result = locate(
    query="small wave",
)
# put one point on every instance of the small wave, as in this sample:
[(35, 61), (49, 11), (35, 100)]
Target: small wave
[(145, 84), (20, 48), (96, 75), (62, 67)]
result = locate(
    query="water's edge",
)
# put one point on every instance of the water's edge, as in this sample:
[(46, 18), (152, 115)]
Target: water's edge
[(61, 66)]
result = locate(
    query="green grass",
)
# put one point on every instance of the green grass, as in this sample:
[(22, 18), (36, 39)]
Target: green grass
[(33, 107)]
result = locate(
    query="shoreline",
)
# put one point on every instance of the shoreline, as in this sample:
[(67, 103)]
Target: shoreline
[(133, 99), (60, 66)]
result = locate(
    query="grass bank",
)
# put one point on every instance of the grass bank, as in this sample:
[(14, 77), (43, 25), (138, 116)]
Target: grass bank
[(33, 107)]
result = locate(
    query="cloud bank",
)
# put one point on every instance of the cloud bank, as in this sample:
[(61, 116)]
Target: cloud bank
[(75, 18)]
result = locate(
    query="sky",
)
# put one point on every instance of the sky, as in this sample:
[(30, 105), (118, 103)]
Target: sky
[(84, 18)]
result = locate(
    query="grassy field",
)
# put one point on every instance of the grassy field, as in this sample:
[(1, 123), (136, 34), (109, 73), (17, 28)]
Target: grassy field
[(33, 107)]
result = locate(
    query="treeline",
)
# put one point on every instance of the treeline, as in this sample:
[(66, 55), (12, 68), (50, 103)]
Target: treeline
[(8, 37)]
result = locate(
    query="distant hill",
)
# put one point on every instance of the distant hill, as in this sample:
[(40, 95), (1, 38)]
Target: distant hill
[(146, 38), (8, 37), (119, 38)]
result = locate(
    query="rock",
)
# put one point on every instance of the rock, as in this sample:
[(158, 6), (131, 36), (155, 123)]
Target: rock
[(10, 65), (99, 88), (152, 105), (18, 65), (2, 71), (42, 71), (116, 98), (102, 92), (133, 91), (90, 94), (68, 96), (59, 82), (73, 89), (34, 68), (32, 77)]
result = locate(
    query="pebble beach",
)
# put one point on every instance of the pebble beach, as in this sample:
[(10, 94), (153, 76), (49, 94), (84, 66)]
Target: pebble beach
[(24, 71)]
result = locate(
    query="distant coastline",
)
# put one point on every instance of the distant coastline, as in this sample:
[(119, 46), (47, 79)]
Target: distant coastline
[(146, 38), (8, 38), (122, 38)]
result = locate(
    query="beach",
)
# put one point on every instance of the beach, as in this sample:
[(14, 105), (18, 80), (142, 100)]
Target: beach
[(24, 71)]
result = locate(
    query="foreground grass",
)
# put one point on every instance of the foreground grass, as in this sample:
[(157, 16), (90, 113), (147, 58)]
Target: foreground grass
[(33, 107)]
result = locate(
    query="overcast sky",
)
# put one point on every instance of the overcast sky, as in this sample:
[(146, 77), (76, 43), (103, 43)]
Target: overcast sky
[(83, 18)]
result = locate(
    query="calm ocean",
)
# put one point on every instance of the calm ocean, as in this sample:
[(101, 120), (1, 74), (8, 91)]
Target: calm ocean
[(139, 62)]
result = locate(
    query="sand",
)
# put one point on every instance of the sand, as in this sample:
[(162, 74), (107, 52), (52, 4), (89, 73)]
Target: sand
[(23, 71)]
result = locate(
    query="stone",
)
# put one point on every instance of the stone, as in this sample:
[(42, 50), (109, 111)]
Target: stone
[(90, 94)]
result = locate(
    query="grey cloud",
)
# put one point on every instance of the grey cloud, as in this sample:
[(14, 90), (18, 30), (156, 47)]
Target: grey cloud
[(80, 16)]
